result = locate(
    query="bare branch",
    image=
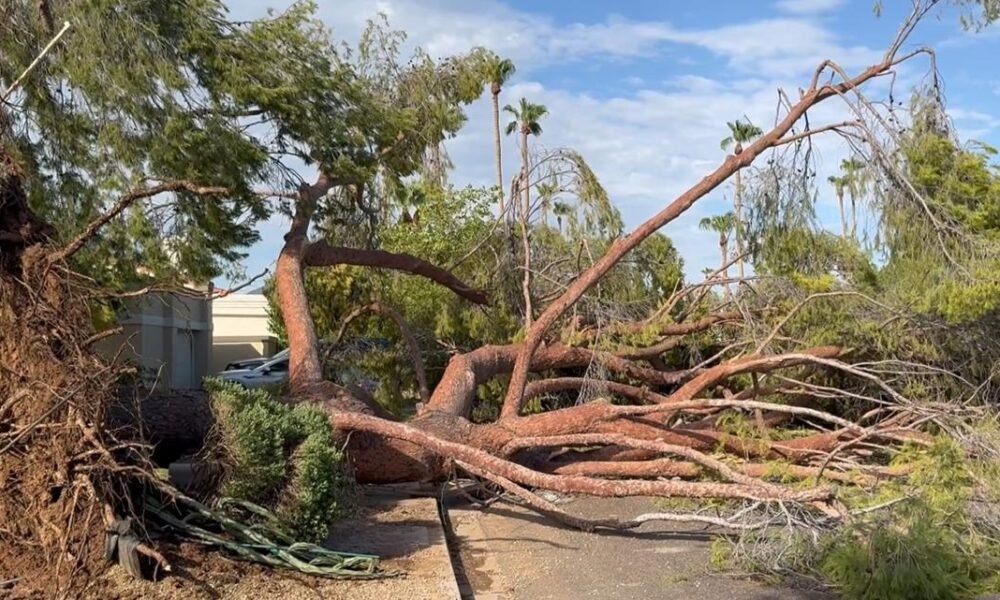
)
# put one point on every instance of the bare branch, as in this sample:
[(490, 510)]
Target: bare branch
[(31, 67), (91, 230)]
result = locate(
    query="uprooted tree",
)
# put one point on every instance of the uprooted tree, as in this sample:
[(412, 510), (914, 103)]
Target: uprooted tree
[(142, 150)]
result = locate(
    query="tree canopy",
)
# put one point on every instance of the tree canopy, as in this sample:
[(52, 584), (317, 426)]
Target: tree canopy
[(142, 93)]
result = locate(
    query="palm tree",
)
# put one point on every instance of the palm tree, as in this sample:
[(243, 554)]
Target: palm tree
[(740, 132), (526, 117), (839, 183), (854, 179), (723, 225), (498, 72), (560, 210), (547, 192)]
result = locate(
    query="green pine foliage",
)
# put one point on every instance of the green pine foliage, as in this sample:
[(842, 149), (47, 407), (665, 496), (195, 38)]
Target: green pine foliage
[(280, 457), (931, 542)]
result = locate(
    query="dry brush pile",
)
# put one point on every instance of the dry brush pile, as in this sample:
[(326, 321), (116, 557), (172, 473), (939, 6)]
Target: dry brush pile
[(64, 477)]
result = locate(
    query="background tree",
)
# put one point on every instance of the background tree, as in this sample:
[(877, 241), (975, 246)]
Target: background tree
[(854, 179), (740, 133), (723, 225), (839, 183), (526, 122), (526, 117), (499, 71)]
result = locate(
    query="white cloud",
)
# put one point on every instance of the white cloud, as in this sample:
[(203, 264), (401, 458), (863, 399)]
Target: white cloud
[(445, 27), (973, 124), (808, 7)]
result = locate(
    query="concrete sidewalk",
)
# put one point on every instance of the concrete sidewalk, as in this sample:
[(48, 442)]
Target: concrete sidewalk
[(508, 553)]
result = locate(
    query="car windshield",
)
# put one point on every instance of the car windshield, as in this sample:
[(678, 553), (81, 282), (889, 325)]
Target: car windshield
[(279, 363)]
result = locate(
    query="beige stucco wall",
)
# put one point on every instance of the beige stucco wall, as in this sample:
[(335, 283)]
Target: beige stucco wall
[(168, 337), (240, 315), (240, 329)]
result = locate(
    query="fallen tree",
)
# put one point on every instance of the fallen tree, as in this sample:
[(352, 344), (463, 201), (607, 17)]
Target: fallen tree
[(671, 424), (426, 447)]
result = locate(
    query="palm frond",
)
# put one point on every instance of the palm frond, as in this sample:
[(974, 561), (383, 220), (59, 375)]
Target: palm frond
[(500, 71)]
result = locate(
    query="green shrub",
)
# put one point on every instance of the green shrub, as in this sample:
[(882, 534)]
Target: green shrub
[(279, 457), (924, 561), (928, 544)]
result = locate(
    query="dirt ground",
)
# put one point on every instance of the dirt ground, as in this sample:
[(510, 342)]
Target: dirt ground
[(508, 553), (406, 533)]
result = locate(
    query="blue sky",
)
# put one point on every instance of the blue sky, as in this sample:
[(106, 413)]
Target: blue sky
[(643, 88)]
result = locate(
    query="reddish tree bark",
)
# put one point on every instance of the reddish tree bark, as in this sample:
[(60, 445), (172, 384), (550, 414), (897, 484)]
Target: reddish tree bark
[(321, 254)]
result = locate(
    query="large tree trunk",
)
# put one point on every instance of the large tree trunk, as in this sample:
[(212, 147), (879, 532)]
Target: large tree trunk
[(854, 216), (724, 251), (843, 215)]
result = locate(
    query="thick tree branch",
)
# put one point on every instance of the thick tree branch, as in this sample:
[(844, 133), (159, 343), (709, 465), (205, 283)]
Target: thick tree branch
[(304, 368), (751, 364), (321, 254), (348, 421), (611, 439), (549, 509), (465, 372)]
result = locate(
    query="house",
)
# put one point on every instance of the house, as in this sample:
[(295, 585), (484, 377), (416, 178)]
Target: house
[(240, 329)]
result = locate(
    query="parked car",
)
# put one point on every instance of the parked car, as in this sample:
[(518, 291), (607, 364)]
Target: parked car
[(253, 363), (275, 372)]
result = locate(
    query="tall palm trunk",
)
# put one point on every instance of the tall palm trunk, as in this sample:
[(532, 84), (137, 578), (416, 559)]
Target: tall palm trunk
[(854, 216), (843, 215), (724, 250), (738, 209), (496, 146), (525, 208)]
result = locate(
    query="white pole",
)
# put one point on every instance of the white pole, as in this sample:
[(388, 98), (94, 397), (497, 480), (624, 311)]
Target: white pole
[(35, 62)]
